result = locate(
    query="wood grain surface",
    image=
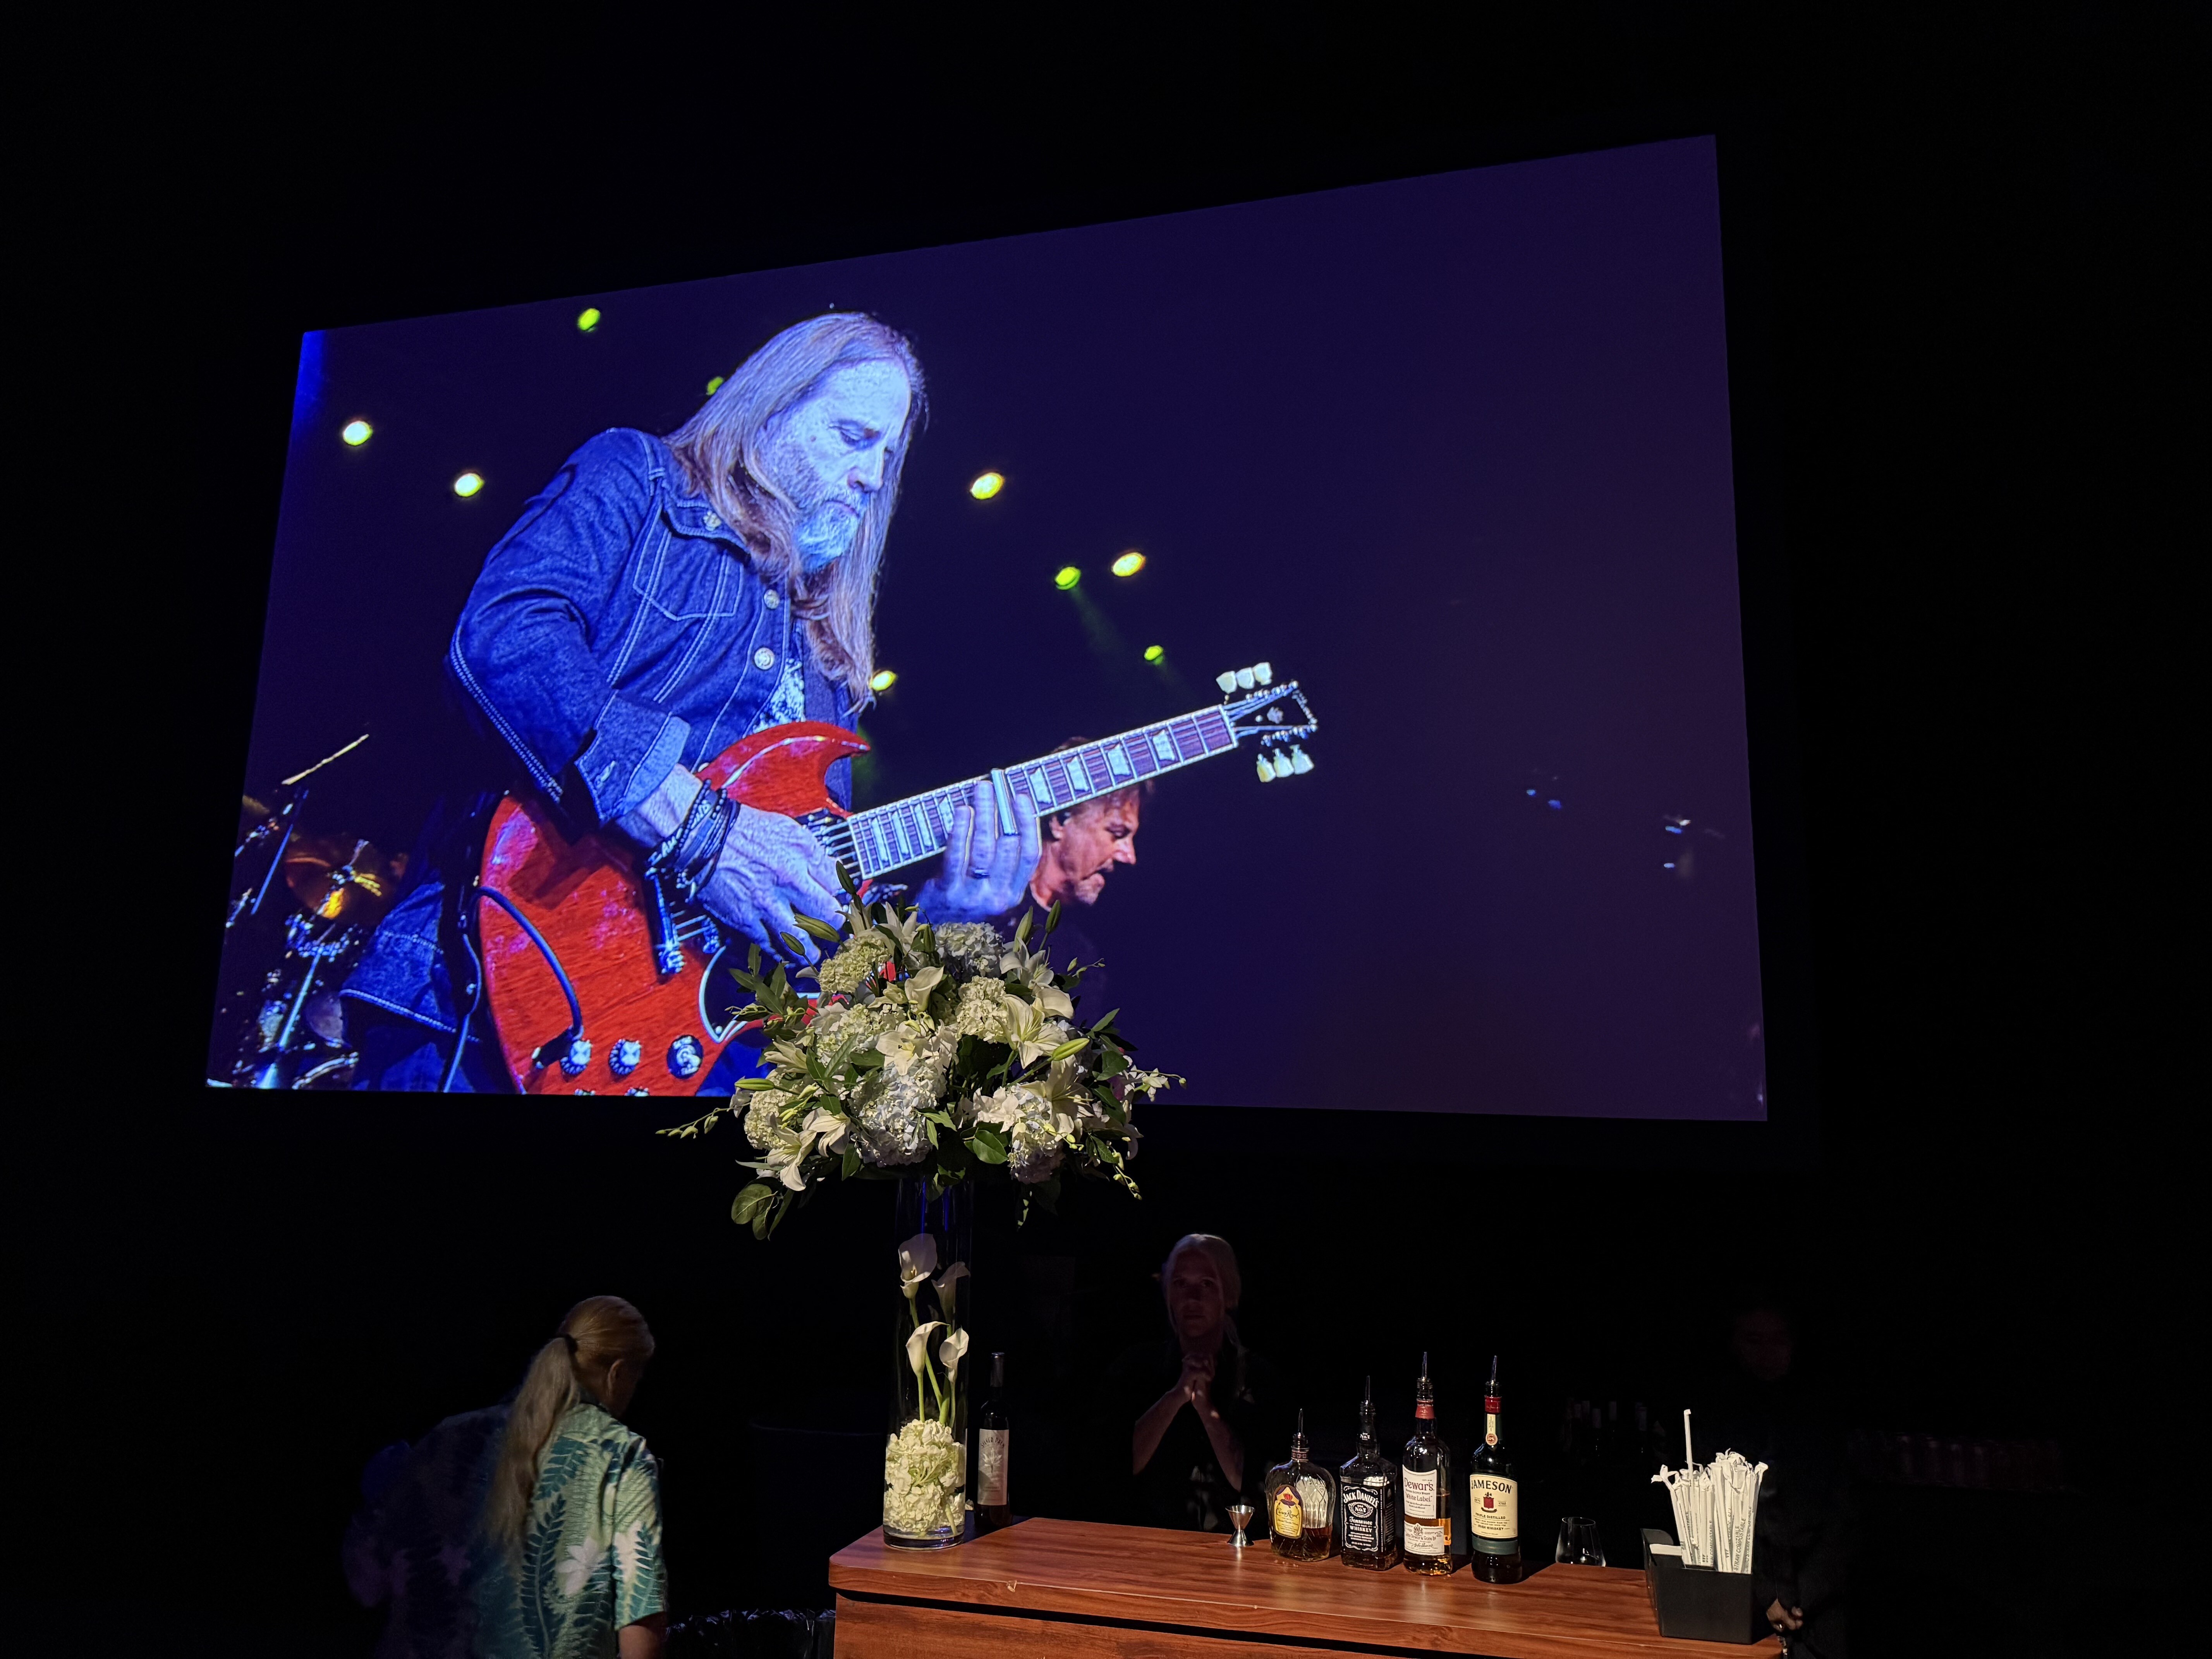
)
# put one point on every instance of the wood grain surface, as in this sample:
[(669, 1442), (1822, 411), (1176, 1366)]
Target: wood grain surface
[(1074, 1589)]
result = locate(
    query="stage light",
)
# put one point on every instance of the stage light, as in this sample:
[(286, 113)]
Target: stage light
[(1129, 563), (1154, 652), (715, 385), (1067, 578), (587, 318), (986, 485), (883, 680), (467, 484), (357, 433)]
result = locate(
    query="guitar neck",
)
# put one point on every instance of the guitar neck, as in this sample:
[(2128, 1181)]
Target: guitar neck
[(907, 831)]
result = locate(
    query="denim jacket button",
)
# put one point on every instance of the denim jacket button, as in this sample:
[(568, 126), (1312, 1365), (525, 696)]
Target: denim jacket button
[(764, 657), (713, 522), (771, 599)]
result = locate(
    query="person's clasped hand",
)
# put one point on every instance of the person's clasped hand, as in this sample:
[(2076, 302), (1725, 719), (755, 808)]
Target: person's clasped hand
[(1783, 1617), (1198, 1381)]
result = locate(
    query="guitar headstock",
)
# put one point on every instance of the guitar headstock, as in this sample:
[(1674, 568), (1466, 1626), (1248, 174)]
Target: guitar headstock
[(1272, 714)]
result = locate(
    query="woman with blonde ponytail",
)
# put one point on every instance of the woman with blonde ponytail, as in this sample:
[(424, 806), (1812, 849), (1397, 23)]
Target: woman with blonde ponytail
[(531, 1531)]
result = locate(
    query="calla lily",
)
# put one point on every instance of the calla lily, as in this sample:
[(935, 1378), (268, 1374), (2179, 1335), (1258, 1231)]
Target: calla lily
[(920, 983), (944, 1282), (950, 1354), (917, 1261), (917, 1345)]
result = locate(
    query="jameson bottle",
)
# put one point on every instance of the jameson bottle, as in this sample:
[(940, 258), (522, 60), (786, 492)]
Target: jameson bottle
[(992, 1432), (1493, 1499), (1301, 1504), (1368, 1499), (1425, 1484)]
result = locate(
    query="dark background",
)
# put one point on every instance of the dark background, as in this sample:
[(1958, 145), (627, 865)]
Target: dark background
[(1454, 452), (1953, 454)]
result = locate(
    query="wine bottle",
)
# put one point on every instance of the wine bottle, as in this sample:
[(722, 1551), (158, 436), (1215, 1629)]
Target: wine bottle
[(1425, 1484), (993, 1435), (1368, 1498), (1493, 1499)]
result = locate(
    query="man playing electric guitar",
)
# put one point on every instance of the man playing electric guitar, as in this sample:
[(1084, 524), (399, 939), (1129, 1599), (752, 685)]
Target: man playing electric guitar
[(658, 601)]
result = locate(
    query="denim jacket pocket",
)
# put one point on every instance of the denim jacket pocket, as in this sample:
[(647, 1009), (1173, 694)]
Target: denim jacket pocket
[(684, 580)]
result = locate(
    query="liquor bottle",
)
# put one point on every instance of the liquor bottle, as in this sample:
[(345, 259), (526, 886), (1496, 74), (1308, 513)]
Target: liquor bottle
[(1368, 1498), (1426, 1485), (1301, 1500), (1493, 1499), (992, 1432)]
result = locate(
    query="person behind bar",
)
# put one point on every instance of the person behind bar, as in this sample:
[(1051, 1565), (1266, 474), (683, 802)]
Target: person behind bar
[(1202, 1406), (532, 1529), (1080, 849)]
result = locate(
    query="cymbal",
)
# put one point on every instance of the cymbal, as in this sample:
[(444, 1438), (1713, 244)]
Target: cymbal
[(342, 877)]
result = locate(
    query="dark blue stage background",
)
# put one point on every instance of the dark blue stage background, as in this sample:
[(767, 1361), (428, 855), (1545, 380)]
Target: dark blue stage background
[(1455, 453)]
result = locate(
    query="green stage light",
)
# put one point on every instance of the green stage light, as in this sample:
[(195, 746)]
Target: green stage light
[(587, 318), (467, 484), (1067, 578), (357, 433), (986, 485), (1154, 652), (884, 680), (715, 385), (1129, 563)]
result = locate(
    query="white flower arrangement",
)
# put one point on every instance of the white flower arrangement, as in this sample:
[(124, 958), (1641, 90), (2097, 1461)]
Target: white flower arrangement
[(944, 1052)]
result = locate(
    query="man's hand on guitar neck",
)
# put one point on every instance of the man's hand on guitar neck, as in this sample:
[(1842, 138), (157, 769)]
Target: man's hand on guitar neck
[(984, 872), (769, 867)]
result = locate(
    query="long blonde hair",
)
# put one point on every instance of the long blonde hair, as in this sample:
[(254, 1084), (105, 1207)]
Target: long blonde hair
[(720, 447), (597, 1332)]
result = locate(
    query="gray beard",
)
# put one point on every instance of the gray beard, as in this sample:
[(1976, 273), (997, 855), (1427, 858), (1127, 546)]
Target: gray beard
[(823, 536)]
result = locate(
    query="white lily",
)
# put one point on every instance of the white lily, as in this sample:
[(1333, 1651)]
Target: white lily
[(944, 1284), (901, 929), (917, 1262), (917, 1345), (950, 1354), (920, 984)]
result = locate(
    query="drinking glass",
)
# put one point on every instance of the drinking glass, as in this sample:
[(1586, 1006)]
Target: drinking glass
[(1241, 1516), (1579, 1545)]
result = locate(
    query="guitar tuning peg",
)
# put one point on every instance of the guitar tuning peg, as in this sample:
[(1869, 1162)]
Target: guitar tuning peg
[(1267, 772), (1282, 762), (1264, 672), (1227, 682), (1300, 761), (1245, 678)]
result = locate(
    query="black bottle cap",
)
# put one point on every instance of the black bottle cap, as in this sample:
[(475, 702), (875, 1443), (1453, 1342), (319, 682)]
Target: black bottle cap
[(998, 1371)]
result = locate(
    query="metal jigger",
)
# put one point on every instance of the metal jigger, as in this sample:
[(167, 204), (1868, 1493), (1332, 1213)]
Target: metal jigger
[(1240, 1515)]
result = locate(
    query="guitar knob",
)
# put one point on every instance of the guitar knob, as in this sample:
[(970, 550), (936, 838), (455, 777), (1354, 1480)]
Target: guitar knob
[(1300, 761), (1282, 764), (1244, 679), (578, 1057), (685, 1056), (625, 1057), (637, 1092), (1267, 772), (1227, 682), (1264, 672)]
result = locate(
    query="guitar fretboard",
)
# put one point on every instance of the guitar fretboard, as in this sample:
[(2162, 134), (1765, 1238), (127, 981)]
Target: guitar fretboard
[(907, 831)]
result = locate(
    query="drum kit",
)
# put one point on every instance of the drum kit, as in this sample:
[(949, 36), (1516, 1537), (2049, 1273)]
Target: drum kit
[(303, 907)]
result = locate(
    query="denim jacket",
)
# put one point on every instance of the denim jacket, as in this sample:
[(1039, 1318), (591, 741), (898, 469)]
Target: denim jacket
[(619, 629)]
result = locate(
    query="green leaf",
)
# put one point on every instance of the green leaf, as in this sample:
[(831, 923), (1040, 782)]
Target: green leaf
[(1104, 1021), (987, 1146), (847, 880), (745, 1209)]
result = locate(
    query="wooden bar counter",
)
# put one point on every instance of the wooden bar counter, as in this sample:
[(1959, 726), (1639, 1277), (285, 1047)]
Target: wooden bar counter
[(1071, 1589)]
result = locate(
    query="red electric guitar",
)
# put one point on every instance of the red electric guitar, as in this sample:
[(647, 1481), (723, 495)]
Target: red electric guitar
[(596, 988)]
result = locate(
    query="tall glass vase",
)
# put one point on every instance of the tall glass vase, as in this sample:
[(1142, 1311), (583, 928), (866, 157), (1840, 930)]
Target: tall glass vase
[(926, 1461)]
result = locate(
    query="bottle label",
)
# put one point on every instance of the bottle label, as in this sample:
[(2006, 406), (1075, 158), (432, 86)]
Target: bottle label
[(1490, 1419), (991, 1466), (1493, 1503), (1286, 1516), (1363, 1517), (1427, 1537), (1420, 1495)]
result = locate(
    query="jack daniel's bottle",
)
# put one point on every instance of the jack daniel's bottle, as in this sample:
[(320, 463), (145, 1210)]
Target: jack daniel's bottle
[(1368, 1498), (1426, 1486), (1301, 1500), (1493, 1495)]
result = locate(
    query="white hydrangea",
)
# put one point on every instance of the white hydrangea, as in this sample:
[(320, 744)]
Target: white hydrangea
[(854, 965), (925, 1478), (887, 1112), (981, 1012), (970, 948), (764, 1125), (1036, 1131)]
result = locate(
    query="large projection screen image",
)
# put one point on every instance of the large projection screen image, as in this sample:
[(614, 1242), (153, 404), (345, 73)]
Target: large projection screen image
[(1330, 601)]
